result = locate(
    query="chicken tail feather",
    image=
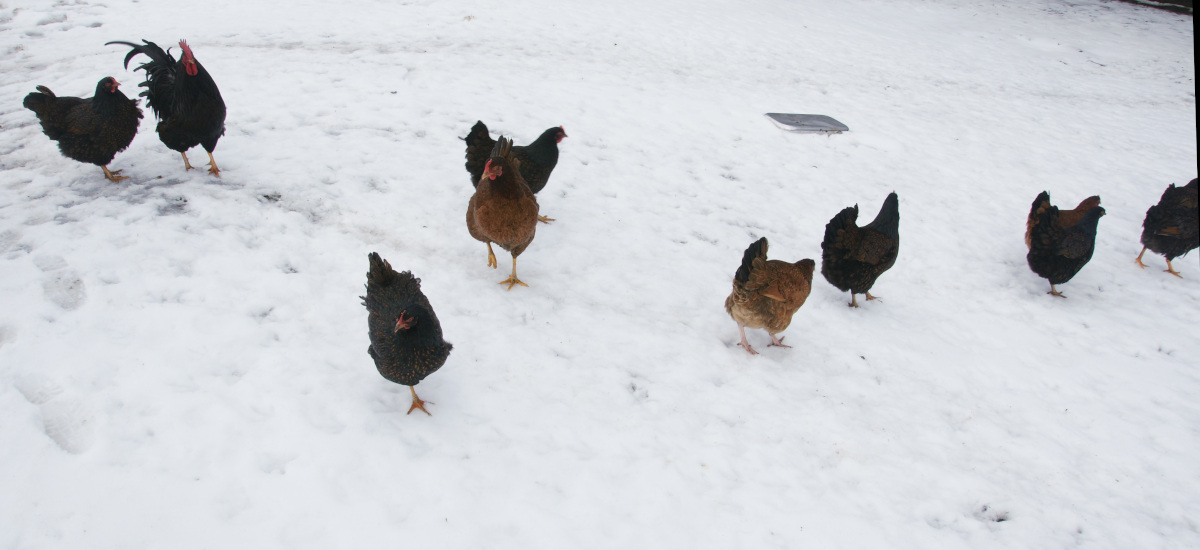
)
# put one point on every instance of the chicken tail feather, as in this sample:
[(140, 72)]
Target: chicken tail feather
[(757, 249)]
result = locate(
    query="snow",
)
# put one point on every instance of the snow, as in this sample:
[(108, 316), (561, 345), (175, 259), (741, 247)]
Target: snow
[(183, 359)]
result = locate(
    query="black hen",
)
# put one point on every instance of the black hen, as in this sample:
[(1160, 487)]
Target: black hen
[(537, 160), (853, 257), (1057, 253), (185, 99), (406, 338), (91, 130), (1170, 227)]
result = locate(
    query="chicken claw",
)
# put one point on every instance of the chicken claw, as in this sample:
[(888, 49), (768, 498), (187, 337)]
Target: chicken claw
[(512, 279), (212, 166), (112, 176), (1171, 270), (492, 257), (1139, 259), (186, 165), (417, 403), (544, 219), (1054, 292), (746, 345), (853, 300), (869, 297), (778, 341)]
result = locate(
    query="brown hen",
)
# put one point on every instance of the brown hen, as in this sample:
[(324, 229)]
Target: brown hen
[(503, 210), (766, 293)]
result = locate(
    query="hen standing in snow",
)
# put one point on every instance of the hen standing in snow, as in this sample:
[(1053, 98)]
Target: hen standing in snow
[(853, 257), (406, 338), (503, 210), (1171, 226), (1058, 252), (767, 293), (537, 159), (89, 130), (1066, 218), (185, 99)]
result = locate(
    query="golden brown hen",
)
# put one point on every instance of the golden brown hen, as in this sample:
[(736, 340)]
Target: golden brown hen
[(1066, 218), (503, 210), (766, 293)]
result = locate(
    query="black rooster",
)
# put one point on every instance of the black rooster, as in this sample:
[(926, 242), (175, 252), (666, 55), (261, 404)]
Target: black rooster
[(1057, 253), (89, 130), (853, 257), (406, 338), (185, 99), (537, 160), (1170, 227)]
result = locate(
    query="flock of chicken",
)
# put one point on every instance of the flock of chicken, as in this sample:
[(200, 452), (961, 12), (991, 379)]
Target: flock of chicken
[(406, 337)]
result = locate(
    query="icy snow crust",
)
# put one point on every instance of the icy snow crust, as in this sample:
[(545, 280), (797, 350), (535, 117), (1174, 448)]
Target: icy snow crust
[(183, 359)]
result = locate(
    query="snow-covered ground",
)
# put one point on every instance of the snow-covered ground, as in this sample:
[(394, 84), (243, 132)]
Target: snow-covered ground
[(183, 359)]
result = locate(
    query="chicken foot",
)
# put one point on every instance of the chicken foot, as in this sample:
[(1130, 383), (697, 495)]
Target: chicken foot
[(778, 341), (1054, 292), (113, 176), (1139, 259), (512, 279), (746, 345), (212, 166), (417, 403), (491, 257), (544, 219), (1171, 270), (186, 165)]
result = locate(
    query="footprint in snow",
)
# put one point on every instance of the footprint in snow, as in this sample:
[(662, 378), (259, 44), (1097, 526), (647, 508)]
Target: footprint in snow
[(37, 388), (62, 285), (70, 423)]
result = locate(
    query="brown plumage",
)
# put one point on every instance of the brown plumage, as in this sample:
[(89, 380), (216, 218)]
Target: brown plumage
[(1172, 227), (406, 337), (537, 160), (767, 293), (503, 210), (853, 257), (1066, 218), (91, 130)]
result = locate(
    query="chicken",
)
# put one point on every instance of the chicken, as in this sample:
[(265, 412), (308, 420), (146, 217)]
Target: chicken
[(1170, 227), (767, 293), (503, 210), (406, 338), (853, 257), (89, 130), (537, 159), (1065, 218), (184, 98), (1058, 252)]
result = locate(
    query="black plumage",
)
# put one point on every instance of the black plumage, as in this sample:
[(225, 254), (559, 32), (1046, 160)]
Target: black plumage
[(1057, 253), (1171, 226), (853, 257), (406, 337), (91, 130), (184, 97), (536, 160)]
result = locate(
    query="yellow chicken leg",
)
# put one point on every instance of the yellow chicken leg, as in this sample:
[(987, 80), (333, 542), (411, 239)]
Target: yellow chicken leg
[(112, 176), (869, 297), (512, 279), (544, 219), (1054, 292), (1139, 259), (1172, 271), (491, 257), (417, 403), (186, 165), (853, 300), (778, 341), (212, 169)]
